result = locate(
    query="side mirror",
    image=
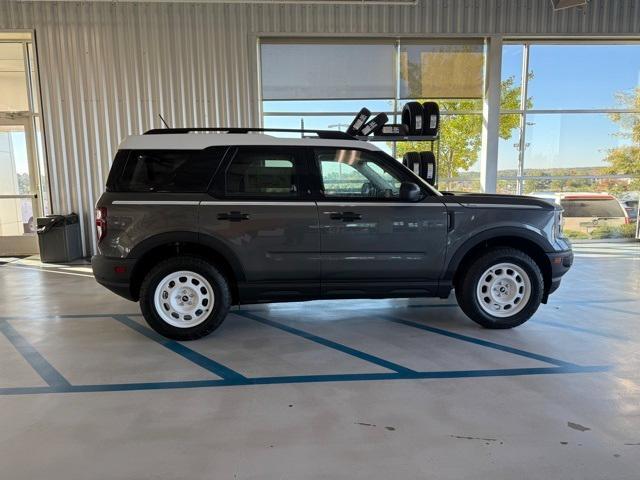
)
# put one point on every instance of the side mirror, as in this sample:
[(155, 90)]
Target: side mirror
[(409, 192)]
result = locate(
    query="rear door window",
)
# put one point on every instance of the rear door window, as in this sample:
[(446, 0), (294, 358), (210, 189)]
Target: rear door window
[(169, 170), (592, 208), (263, 173)]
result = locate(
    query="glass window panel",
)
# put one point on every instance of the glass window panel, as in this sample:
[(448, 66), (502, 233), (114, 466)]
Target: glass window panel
[(14, 162), (441, 71), (310, 122), (33, 77), (16, 217), (356, 174), (320, 106), (576, 141), (459, 145), (582, 76), (507, 187), (509, 145), (327, 71), (169, 171), (13, 80), (575, 146), (452, 104), (328, 122), (42, 167), (467, 182), (511, 82), (262, 174)]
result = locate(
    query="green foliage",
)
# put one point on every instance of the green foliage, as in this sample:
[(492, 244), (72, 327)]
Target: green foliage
[(576, 234), (604, 232), (623, 231), (24, 185), (625, 160)]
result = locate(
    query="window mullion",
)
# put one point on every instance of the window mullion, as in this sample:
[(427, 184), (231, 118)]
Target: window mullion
[(523, 117)]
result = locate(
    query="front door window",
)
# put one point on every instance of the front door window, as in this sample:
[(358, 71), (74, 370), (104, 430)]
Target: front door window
[(355, 174)]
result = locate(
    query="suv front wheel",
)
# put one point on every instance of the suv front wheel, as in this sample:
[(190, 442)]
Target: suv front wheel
[(184, 298), (503, 288)]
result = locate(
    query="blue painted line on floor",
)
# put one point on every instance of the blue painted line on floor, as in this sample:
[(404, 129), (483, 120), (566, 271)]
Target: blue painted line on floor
[(478, 341), (432, 305), (574, 328), (592, 302), (184, 351), (620, 310), (284, 380), (69, 316), (328, 343), (48, 373)]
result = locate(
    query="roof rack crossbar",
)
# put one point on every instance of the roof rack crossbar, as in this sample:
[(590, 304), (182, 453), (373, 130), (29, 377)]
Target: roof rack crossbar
[(329, 134)]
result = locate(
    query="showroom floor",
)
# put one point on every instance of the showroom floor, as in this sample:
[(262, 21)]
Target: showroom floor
[(333, 390)]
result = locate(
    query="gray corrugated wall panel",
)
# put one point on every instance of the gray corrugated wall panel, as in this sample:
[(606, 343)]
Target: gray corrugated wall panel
[(107, 69)]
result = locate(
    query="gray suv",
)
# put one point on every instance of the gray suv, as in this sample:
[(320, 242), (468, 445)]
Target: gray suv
[(196, 220)]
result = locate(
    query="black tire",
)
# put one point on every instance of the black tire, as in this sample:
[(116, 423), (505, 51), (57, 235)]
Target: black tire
[(468, 282), (222, 297), (410, 159), (428, 167), (412, 114), (374, 124), (358, 122), (431, 118)]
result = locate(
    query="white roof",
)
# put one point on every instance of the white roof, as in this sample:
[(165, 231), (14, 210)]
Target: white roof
[(193, 141)]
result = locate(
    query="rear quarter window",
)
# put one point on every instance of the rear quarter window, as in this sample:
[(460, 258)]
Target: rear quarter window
[(592, 208), (168, 170)]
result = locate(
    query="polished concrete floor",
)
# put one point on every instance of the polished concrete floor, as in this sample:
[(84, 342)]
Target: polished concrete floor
[(322, 390)]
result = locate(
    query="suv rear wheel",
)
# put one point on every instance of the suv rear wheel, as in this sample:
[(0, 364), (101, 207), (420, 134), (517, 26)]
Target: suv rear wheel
[(184, 298), (501, 289)]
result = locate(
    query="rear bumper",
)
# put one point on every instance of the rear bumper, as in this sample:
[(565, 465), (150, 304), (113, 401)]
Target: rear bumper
[(560, 264), (114, 274)]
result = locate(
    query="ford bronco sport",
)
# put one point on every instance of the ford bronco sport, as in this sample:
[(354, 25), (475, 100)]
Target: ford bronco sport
[(196, 220)]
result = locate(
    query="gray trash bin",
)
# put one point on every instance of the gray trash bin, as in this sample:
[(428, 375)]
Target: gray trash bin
[(59, 238)]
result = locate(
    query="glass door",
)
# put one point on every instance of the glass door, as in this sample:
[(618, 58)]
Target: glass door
[(19, 203)]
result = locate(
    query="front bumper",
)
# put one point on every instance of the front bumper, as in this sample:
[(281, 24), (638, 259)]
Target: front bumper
[(560, 264), (114, 274)]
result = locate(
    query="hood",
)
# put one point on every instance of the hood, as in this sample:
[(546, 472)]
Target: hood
[(494, 200)]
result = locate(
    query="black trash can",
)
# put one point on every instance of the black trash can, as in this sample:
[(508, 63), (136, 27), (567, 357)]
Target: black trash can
[(59, 238)]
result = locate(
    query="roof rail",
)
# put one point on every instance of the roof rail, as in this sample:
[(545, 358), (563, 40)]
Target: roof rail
[(329, 134)]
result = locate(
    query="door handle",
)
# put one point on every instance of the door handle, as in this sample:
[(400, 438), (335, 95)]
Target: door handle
[(233, 216), (345, 216)]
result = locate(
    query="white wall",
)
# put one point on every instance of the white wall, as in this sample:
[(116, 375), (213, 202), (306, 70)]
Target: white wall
[(108, 69)]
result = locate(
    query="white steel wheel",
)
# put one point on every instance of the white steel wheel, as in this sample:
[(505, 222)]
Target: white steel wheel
[(503, 290), (184, 299)]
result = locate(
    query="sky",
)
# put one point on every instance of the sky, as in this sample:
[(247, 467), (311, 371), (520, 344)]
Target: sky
[(564, 77), (19, 149)]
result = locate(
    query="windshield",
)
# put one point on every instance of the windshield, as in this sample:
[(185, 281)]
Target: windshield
[(592, 208)]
